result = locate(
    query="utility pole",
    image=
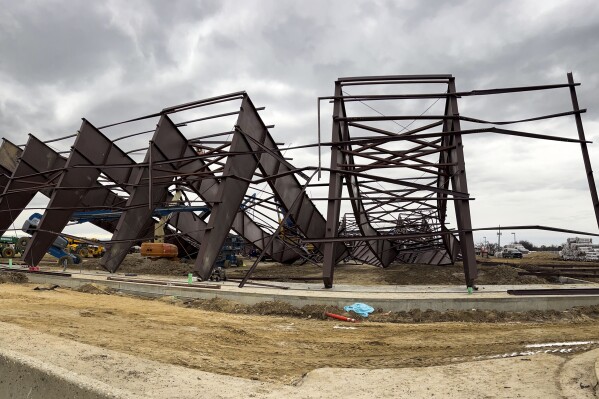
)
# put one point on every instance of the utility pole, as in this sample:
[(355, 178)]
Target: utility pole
[(499, 238)]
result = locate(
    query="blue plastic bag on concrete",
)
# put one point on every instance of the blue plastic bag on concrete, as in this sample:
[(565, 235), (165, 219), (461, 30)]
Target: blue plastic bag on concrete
[(360, 308)]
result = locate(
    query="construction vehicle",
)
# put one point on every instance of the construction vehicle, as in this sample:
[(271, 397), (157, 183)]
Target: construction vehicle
[(509, 253), (96, 251), (159, 250), (58, 249), (12, 246), (72, 251), (84, 249), (227, 256)]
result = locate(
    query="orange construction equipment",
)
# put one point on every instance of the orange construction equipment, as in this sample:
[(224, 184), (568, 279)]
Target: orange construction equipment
[(159, 250)]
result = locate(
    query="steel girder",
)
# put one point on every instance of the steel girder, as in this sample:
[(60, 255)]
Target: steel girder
[(168, 143), (255, 148), (37, 168), (9, 156), (207, 187), (11, 160), (149, 189), (398, 223), (583, 146), (92, 148), (457, 171), (73, 190), (122, 170), (76, 188)]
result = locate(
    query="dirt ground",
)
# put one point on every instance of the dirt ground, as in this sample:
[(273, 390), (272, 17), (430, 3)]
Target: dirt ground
[(270, 348), (491, 271)]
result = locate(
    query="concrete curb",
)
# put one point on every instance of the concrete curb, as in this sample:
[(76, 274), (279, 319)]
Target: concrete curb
[(387, 301), (22, 376)]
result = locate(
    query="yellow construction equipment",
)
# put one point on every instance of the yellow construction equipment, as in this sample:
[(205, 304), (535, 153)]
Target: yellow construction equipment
[(84, 249)]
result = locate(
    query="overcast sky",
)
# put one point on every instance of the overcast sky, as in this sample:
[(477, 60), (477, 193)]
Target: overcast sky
[(111, 60)]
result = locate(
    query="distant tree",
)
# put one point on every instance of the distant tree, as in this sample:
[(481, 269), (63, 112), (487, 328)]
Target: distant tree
[(527, 244), (548, 248), (493, 247)]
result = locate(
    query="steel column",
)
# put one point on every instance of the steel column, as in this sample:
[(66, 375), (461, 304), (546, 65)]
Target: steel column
[(459, 184), (583, 147)]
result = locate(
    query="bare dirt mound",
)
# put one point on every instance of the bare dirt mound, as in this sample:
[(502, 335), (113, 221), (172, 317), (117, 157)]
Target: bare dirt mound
[(13, 277), (96, 289), (135, 263), (268, 308), (495, 272), (396, 274), (279, 308)]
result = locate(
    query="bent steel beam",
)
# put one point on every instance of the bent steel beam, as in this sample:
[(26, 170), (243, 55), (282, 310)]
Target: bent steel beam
[(91, 149), (206, 186), (36, 170), (284, 183), (583, 147), (73, 190), (146, 193), (459, 183), (34, 174), (235, 181), (9, 156), (254, 148)]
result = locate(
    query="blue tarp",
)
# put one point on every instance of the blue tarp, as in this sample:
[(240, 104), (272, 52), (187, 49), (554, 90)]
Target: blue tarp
[(360, 308)]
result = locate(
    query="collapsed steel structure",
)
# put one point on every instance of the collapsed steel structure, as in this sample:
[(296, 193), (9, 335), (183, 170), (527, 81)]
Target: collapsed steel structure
[(397, 181)]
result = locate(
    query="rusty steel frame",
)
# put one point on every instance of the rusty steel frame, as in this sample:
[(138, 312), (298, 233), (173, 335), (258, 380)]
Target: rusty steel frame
[(35, 170), (398, 184), (92, 143), (357, 161), (251, 136)]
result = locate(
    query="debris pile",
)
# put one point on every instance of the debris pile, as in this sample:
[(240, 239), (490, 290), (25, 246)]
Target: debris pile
[(13, 277)]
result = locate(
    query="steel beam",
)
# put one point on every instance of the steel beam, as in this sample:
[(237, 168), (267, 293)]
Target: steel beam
[(36, 169), (205, 186), (583, 147), (237, 173), (252, 137), (172, 144), (73, 190), (9, 157), (334, 202), (146, 194), (459, 184)]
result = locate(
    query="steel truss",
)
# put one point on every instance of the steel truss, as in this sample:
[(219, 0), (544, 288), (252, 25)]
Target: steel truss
[(399, 181), (391, 175)]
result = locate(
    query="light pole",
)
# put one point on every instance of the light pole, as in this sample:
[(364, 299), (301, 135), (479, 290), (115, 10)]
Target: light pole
[(514, 234)]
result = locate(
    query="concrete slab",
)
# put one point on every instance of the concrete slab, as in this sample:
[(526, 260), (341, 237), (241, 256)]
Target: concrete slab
[(388, 298)]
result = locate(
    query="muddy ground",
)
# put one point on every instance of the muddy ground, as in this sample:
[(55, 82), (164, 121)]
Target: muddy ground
[(271, 348)]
